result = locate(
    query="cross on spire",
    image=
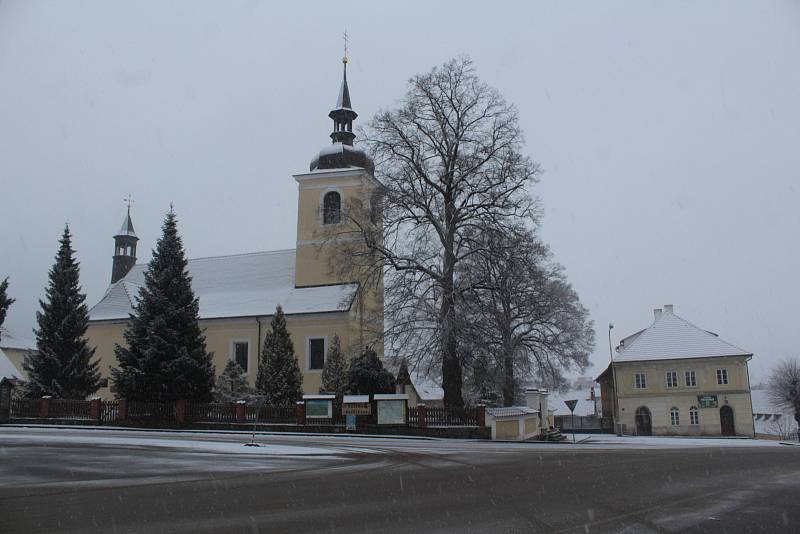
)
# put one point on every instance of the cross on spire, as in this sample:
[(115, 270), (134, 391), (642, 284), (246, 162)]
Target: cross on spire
[(346, 39), (129, 201)]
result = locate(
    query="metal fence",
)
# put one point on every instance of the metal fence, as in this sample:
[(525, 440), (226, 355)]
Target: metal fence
[(442, 417), (25, 408), (69, 409), (584, 423)]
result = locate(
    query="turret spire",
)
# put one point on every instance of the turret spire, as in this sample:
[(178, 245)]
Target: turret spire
[(124, 246), (343, 114)]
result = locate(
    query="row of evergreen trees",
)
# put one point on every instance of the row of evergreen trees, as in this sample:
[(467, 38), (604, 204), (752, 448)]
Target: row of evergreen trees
[(165, 356)]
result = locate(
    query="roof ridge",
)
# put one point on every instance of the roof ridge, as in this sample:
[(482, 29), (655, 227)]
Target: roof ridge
[(254, 253), (706, 332)]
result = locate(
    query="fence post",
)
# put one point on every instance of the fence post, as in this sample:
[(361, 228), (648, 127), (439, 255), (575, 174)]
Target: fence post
[(422, 415), (241, 409), (122, 410), (94, 409), (44, 407), (180, 411), (481, 409), (301, 413)]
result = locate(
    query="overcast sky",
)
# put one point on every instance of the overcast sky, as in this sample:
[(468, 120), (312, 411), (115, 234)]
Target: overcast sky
[(669, 135)]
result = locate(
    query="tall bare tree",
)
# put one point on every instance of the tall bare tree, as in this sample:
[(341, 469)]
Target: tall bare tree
[(449, 158), (524, 319), (784, 387)]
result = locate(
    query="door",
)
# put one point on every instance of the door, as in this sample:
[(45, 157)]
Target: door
[(726, 421), (644, 423)]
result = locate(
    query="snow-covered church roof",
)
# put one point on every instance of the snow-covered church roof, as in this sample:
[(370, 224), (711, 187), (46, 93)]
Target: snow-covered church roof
[(11, 340), (240, 285), (7, 369), (671, 337)]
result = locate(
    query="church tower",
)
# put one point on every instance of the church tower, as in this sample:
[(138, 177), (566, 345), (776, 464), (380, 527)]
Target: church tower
[(124, 249), (340, 178)]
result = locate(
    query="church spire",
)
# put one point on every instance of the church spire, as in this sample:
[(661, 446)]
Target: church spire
[(124, 247), (343, 114)]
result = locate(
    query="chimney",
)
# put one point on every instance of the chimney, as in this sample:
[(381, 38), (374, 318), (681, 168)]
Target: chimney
[(657, 313), (668, 308)]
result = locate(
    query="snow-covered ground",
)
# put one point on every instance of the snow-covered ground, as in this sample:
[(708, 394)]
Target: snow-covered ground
[(664, 442)]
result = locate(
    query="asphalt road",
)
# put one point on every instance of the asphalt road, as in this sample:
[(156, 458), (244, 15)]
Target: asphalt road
[(103, 481)]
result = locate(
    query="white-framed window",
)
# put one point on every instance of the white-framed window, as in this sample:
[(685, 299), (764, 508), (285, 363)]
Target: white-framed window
[(240, 353), (640, 381), (722, 376), (694, 416), (691, 379), (315, 353), (674, 416), (672, 379)]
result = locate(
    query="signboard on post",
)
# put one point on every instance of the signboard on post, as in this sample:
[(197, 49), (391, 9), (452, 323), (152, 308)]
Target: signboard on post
[(391, 408), (707, 401), (319, 406), (571, 405)]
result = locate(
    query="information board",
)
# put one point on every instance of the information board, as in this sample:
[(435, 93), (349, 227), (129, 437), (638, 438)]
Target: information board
[(318, 408), (356, 408), (707, 401), (392, 412)]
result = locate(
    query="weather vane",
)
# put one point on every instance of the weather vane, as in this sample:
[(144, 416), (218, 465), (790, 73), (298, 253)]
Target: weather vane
[(346, 41), (128, 201)]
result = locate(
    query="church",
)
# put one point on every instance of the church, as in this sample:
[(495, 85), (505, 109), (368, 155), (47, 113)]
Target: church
[(238, 293)]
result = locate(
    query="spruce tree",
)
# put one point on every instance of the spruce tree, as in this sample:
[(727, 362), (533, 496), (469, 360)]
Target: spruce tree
[(165, 356), (367, 375), (62, 367), (232, 385), (279, 378), (334, 372), (5, 302)]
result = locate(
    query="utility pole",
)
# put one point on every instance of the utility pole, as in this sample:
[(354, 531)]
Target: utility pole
[(616, 417)]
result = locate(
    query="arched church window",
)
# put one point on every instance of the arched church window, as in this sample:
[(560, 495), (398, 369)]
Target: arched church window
[(331, 208)]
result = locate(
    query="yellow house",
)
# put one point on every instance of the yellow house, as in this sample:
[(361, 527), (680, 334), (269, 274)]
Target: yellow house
[(239, 293), (674, 378)]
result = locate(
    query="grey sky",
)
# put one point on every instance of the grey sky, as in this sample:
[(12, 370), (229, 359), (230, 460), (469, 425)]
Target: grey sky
[(668, 131)]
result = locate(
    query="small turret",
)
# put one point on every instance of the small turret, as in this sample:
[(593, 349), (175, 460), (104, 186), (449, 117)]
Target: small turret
[(124, 249)]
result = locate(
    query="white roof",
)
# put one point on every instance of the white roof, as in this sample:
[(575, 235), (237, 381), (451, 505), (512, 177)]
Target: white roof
[(671, 337), (10, 340), (241, 285), (427, 389), (7, 369), (510, 411)]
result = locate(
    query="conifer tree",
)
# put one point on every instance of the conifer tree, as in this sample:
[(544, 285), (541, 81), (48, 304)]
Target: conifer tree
[(62, 367), (334, 372), (367, 375), (5, 302), (165, 356), (279, 378), (232, 385)]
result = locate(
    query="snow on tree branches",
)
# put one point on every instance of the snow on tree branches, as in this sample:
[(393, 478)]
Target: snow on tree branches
[(279, 378)]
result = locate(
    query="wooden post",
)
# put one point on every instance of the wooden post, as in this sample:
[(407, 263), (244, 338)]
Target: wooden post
[(422, 415), (241, 411), (122, 410), (301, 413), (180, 411), (481, 409), (95, 412), (44, 407)]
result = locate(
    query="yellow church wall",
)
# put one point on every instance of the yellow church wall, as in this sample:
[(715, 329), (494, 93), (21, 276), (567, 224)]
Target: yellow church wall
[(16, 357), (221, 333)]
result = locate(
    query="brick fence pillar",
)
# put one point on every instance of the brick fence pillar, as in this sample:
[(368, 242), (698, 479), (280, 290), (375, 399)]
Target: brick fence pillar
[(241, 411), (481, 409), (94, 409), (180, 411), (301, 413), (422, 415), (44, 407), (122, 410)]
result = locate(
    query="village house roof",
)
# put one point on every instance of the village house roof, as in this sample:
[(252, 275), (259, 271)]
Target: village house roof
[(11, 340), (671, 337), (239, 285)]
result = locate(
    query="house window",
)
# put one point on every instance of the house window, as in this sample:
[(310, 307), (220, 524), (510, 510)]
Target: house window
[(331, 208), (691, 379), (675, 416), (722, 376), (316, 353), (640, 381), (672, 379), (240, 353), (694, 416)]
